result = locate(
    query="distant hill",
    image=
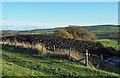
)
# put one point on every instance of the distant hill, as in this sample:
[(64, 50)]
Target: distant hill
[(101, 31)]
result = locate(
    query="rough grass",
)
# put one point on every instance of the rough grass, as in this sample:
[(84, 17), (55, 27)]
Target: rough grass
[(20, 63)]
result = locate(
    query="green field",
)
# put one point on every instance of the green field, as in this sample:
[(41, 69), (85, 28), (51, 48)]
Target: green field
[(18, 62), (39, 31), (102, 29), (109, 43)]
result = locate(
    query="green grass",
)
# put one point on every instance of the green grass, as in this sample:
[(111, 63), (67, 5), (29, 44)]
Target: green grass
[(11, 69), (111, 43), (19, 63)]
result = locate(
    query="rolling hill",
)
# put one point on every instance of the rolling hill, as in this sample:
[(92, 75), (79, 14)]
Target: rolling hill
[(101, 31)]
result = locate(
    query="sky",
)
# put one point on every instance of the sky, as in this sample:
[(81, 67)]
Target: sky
[(34, 15)]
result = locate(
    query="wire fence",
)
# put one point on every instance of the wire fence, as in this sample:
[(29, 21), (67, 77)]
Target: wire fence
[(88, 58)]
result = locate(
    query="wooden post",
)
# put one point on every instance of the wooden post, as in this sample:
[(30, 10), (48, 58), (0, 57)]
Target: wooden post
[(22, 44), (54, 48), (15, 44), (86, 58), (101, 57), (69, 53), (8, 42), (15, 41), (32, 45)]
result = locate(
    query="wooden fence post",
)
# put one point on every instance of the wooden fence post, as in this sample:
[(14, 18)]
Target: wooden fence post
[(69, 53), (86, 58), (8, 42), (31, 45), (15, 44), (22, 44), (54, 48)]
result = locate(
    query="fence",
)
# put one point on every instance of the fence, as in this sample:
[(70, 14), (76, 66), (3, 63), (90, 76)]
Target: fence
[(85, 56), (52, 43)]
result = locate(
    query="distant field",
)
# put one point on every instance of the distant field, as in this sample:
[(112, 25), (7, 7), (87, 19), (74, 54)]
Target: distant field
[(102, 31), (40, 31), (102, 28), (19, 63)]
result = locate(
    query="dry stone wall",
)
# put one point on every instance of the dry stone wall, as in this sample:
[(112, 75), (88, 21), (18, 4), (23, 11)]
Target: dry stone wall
[(62, 43)]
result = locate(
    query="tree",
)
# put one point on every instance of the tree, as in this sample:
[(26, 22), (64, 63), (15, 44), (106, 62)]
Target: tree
[(79, 33), (62, 33)]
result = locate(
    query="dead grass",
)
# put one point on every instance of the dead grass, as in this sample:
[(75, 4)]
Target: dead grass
[(73, 53), (39, 47)]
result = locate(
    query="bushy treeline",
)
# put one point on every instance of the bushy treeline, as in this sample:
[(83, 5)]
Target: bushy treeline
[(74, 32)]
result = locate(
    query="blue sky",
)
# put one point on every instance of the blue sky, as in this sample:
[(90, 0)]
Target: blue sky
[(32, 15)]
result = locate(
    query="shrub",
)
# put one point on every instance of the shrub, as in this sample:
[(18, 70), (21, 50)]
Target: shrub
[(63, 33), (79, 33)]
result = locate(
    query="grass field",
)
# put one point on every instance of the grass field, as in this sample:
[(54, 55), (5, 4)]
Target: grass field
[(109, 43), (18, 62), (102, 29)]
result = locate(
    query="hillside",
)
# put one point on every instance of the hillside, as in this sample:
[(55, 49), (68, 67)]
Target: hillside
[(101, 31), (18, 62), (39, 31)]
